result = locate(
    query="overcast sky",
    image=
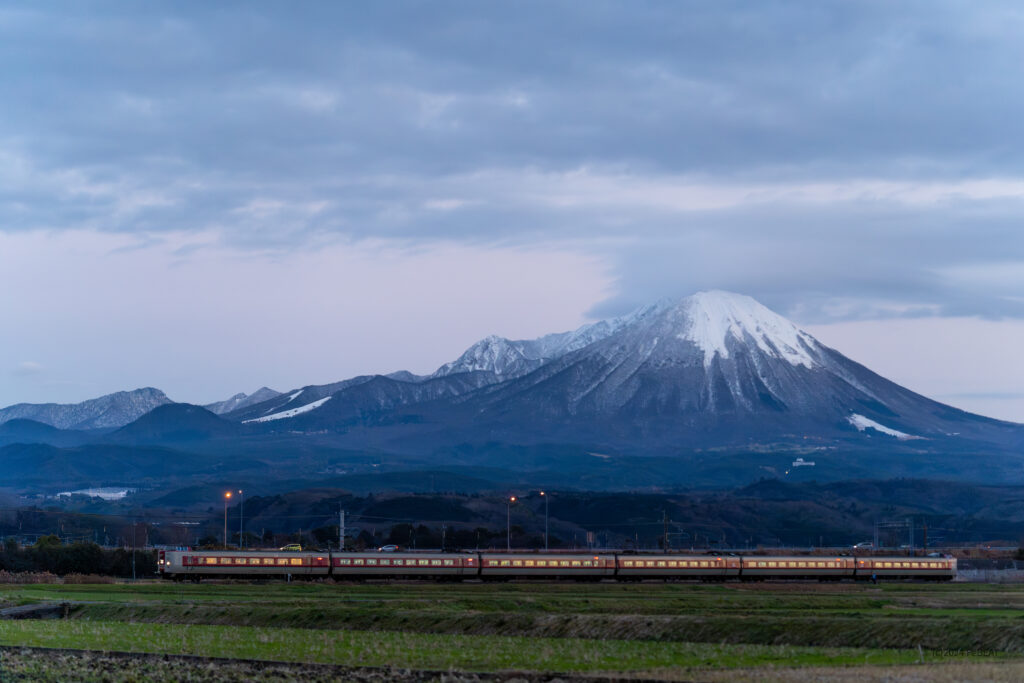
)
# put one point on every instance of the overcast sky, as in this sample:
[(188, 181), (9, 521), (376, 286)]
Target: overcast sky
[(210, 197)]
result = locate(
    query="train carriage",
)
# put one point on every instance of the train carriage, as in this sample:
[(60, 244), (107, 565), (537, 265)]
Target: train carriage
[(757, 567), (927, 568), (404, 565), (245, 563), (678, 566), (545, 565)]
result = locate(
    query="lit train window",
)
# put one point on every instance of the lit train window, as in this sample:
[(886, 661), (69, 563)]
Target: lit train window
[(529, 563), (296, 561), (449, 563), (282, 560), (211, 560), (588, 563), (358, 562), (254, 560), (517, 563), (345, 562), (575, 563), (627, 563), (371, 561), (435, 563), (661, 563), (268, 560), (505, 563), (563, 563), (704, 563)]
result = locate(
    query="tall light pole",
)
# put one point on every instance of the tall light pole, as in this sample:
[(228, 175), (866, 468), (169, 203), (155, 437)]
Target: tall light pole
[(545, 497), (241, 515), (508, 522), (227, 497)]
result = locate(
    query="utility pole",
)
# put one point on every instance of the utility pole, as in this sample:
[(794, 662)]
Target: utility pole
[(241, 515), (134, 525), (664, 531), (545, 496), (508, 523), (341, 530)]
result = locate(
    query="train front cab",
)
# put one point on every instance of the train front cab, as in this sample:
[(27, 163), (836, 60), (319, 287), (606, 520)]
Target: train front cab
[(195, 564)]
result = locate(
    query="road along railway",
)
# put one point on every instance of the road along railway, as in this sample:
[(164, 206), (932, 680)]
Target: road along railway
[(254, 564)]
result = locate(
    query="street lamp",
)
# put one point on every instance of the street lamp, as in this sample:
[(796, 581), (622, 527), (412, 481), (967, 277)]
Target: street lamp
[(508, 522), (241, 515), (545, 497), (227, 497)]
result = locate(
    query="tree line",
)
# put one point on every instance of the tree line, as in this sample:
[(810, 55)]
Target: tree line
[(48, 554)]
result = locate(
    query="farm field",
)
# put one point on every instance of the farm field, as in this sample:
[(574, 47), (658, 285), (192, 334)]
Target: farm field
[(649, 630)]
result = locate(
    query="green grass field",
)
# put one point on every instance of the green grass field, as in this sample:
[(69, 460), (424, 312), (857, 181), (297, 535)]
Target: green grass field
[(655, 630)]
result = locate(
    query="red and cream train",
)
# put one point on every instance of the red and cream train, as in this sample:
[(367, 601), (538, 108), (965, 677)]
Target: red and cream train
[(196, 564)]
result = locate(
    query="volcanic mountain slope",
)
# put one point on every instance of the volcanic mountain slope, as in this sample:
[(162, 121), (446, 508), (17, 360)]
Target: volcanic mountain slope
[(712, 370), (719, 368), (106, 412)]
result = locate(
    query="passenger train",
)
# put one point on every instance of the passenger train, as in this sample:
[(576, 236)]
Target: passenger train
[(250, 564)]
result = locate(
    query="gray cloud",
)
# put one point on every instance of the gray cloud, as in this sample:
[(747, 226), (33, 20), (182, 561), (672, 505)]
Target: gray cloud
[(685, 144)]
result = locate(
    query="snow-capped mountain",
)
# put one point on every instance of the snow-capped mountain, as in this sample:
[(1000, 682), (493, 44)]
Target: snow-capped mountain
[(718, 367), (105, 412), (242, 400), (711, 369)]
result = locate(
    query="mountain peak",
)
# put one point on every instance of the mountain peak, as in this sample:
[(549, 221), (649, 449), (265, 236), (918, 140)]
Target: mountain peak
[(713, 317)]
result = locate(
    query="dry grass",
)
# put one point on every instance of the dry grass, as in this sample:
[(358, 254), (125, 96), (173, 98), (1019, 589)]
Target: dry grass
[(28, 577)]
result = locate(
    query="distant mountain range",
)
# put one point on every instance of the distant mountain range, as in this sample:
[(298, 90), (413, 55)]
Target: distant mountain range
[(714, 387), (105, 412)]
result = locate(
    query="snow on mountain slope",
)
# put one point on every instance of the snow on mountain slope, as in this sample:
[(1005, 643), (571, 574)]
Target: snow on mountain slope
[(285, 414), (862, 423), (506, 358), (716, 316)]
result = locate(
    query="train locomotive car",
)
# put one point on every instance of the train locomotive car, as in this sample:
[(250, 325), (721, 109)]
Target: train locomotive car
[(921, 568), (193, 564)]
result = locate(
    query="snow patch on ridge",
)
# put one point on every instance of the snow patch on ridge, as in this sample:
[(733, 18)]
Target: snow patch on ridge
[(715, 316), (862, 423), (284, 414)]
